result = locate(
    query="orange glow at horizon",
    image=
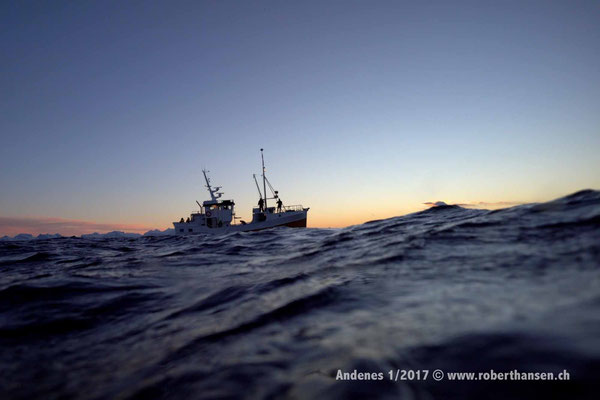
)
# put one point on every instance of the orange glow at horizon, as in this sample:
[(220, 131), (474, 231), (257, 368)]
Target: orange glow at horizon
[(67, 227)]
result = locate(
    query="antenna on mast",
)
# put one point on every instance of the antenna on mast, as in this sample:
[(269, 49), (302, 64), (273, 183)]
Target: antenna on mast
[(211, 190), (264, 177)]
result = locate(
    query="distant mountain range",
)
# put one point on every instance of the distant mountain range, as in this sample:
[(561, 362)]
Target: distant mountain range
[(95, 235)]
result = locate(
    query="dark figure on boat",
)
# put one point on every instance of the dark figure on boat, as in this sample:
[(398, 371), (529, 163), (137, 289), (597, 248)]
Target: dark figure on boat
[(261, 204), (279, 205)]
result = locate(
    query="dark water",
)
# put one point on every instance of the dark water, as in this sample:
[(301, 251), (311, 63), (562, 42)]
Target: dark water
[(275, 314)]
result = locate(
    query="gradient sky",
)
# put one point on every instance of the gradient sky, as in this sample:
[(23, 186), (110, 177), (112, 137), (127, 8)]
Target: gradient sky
[(365, 109)]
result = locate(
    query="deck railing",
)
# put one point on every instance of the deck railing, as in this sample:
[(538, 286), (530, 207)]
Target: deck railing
[(292, 208)]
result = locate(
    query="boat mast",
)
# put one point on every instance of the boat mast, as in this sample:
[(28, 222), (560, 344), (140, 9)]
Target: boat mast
[(210, 189), (264, 179)]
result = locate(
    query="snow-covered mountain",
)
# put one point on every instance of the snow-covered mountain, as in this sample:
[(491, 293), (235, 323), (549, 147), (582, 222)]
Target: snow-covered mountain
[(95, 235), (28, 236), (113, 234)]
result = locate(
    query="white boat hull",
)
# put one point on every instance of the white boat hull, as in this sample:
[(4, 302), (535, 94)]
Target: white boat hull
[(295, 219)]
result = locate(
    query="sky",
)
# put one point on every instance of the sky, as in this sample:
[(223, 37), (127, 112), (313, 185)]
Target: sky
[(365, 109)]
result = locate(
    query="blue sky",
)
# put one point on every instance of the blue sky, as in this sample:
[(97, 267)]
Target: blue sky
[(365, 109)]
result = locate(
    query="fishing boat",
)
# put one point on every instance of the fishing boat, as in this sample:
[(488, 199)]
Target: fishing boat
[(218, 216)]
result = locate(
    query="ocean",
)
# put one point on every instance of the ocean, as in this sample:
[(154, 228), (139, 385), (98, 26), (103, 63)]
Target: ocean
[(303, 313)]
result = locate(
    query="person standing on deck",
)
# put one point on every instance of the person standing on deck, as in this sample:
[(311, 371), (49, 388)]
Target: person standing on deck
[(261, 204), (279, 205)]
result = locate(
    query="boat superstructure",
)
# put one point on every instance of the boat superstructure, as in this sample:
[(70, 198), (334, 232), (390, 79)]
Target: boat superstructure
[(218, 216)]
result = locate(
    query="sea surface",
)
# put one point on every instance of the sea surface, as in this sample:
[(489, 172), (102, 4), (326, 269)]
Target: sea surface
[(277, 313)]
